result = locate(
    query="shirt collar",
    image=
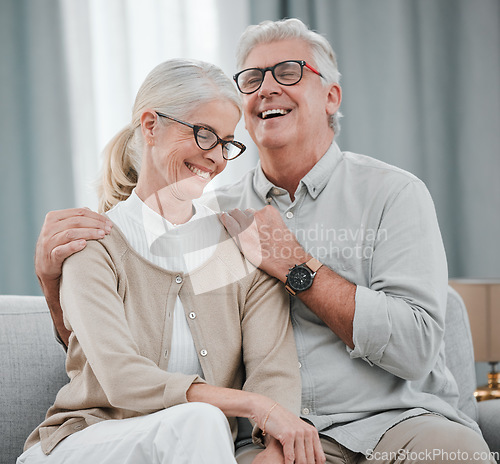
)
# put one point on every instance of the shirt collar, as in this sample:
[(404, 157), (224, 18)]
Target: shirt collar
[(261, 184), (315, 180), (155, 225)]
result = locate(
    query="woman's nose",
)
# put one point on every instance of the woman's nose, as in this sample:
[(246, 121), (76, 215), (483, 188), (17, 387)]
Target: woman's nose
[(216, 154)]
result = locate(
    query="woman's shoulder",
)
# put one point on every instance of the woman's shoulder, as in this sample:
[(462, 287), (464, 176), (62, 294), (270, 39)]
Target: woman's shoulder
[(114, 246)]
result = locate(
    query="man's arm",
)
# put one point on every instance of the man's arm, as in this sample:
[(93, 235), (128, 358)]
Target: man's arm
[(271, 252), (63, 233), (396, 319)]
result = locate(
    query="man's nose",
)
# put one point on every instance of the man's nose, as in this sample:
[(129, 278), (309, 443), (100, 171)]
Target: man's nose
[(269, 85)]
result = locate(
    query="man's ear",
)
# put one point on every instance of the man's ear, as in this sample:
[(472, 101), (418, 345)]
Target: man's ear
[(334, 98), (149, 121)]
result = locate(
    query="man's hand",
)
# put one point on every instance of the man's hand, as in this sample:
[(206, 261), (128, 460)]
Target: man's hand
[(267, 243), (63, 233), (265, 240)]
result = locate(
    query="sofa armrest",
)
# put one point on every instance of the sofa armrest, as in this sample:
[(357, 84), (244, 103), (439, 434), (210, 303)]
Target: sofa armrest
[(489, 422)]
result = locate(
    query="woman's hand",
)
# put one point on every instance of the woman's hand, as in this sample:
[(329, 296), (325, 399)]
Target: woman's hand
[(273, 454), (300, 440)]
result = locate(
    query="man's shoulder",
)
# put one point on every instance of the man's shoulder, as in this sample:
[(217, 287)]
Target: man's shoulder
[(376, 175), (376, 166)]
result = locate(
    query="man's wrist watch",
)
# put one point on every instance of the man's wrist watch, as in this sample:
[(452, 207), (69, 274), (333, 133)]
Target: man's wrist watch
[(300, 277)]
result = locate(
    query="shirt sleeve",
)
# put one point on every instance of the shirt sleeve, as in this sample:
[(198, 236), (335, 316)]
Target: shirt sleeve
[(399, 320), (94, 312)]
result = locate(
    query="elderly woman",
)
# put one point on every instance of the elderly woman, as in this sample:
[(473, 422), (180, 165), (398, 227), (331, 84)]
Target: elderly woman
[(172, 330)]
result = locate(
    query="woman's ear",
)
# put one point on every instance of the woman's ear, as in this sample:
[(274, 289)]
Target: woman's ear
[(149, 121)]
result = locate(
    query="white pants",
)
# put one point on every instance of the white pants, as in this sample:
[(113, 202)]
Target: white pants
[(187, 433)]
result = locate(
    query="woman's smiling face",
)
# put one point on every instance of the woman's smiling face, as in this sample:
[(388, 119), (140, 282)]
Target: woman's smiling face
[(177, 162)]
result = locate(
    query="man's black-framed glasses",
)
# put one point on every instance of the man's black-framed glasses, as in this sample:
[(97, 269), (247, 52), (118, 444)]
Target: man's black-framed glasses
[(285, 73), (207, 139)]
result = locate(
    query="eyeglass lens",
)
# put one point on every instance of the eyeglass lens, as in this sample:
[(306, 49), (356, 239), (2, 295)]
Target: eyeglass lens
[(207, 140), (286, 73)]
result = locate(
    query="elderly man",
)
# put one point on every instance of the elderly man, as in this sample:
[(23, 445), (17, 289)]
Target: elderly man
[(357, 245)]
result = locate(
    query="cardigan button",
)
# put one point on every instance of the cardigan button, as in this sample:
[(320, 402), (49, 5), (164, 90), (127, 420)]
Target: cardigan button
[(178, 279), (203, 352), (192, 315)]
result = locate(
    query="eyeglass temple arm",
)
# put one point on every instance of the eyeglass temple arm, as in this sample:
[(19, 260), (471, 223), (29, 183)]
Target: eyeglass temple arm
[(313, 69)]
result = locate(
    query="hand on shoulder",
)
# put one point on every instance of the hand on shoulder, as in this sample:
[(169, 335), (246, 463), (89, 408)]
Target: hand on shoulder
[(63, 233)]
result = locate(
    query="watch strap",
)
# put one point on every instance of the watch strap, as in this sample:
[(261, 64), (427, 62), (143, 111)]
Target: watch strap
[(313, 264), (290, 290)]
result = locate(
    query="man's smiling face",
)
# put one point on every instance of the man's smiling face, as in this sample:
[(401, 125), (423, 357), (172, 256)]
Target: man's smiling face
[(278, 116)]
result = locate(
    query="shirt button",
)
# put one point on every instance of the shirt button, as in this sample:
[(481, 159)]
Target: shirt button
[(276, 191), (300, 365), (178, 279), (192, 315), (289, 215), (305, 411), (203, 352)]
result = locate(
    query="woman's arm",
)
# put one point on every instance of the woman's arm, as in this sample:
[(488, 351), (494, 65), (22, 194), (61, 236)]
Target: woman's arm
[(94, 311), (272, 368), (92, 298), (300, 441), (63, 233)]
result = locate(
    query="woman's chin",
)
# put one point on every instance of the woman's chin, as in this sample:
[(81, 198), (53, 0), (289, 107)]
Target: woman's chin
[(193, 192)]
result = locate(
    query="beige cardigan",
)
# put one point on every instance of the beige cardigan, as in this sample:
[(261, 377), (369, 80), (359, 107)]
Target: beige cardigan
[(119, 308)]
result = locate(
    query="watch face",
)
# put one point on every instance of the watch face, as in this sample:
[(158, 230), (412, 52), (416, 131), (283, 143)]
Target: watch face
[(299, 279)]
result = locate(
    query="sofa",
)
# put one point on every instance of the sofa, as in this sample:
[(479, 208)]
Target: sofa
[(32, 370)]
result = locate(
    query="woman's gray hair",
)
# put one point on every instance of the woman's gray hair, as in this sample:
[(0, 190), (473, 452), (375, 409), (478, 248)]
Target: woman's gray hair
[(176, 87), (324, 57)]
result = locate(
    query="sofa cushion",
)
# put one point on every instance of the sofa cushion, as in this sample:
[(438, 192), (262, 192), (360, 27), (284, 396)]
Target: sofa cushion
[(489, 421), (31, 370), (460, 352)]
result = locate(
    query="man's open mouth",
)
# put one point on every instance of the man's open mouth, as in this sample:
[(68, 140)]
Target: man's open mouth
[(273, 113)]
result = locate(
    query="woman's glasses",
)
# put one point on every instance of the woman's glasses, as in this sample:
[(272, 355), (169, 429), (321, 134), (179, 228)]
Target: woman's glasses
[(207, 139)]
